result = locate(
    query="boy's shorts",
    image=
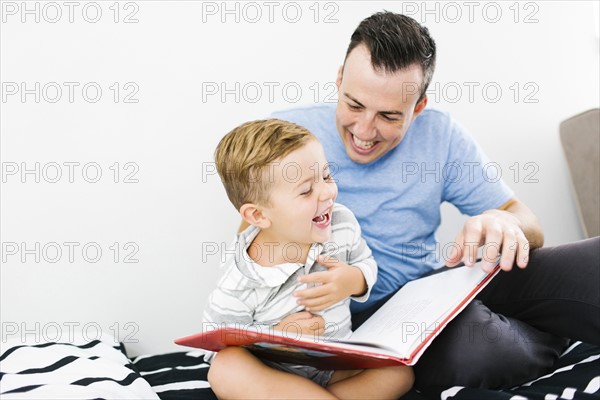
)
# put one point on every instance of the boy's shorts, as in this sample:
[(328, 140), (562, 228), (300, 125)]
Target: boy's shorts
[(316, 375)]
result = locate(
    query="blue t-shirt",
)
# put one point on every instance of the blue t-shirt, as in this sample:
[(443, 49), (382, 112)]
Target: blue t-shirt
[(397, 198)]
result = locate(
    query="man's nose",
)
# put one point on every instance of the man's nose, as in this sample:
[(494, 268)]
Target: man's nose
[(364, 128)]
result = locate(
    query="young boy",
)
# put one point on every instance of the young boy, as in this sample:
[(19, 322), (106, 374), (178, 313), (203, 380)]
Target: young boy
[(275, 173)]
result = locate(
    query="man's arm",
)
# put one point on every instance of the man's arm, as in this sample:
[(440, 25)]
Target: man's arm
[(530, 224), (509, 231)]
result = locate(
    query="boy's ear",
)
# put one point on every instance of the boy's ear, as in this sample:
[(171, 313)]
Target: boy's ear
[(252, 214)]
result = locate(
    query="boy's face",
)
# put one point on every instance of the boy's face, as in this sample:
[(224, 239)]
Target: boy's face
[(375, 108), (301, 198)]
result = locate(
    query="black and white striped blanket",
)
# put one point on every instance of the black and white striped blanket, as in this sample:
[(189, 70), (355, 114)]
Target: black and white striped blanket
[(182, 376), (92, 370), (100, 369)]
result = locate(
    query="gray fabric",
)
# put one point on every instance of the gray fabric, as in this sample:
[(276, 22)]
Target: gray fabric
[(319, 377), (580, 137), (482, 349), (513, 331)]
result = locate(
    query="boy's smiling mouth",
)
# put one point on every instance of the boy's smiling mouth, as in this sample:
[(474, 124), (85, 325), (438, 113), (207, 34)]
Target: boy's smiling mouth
[(323, 220)]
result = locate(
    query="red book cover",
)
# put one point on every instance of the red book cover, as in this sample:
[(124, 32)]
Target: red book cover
[(398, 333)]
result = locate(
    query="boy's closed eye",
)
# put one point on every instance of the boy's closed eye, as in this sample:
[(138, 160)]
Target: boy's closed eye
[(307, 192)]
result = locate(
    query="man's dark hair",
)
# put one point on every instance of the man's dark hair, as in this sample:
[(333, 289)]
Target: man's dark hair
[(396, 42)]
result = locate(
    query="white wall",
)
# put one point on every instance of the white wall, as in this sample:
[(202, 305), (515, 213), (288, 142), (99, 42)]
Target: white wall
[(167, 209)]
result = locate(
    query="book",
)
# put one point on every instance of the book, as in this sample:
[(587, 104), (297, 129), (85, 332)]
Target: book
[(398, 333)]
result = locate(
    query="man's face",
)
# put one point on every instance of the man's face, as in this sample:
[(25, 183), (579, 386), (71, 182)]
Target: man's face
[(374, 108)]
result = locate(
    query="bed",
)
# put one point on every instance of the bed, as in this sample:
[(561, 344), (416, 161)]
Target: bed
[(100, 368)]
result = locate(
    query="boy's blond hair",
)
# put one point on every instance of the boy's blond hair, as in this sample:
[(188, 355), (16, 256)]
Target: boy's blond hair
[(243, 155)]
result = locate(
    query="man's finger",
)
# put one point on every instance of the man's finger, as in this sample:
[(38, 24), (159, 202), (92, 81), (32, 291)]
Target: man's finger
[(457, 251), (473, 234), (509, 251), (490, 256), (491, 249), (522, 252)]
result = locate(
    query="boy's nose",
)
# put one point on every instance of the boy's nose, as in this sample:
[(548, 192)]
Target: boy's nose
[(328, 193)]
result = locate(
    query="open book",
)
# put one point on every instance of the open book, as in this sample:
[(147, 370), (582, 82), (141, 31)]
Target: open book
[(398, 333)]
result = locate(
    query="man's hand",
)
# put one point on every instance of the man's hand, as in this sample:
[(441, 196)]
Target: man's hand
[(339, 282), (500, 233), (309, 324)]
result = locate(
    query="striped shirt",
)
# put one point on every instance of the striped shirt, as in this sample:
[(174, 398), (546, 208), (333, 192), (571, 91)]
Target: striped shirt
[(249, 295)]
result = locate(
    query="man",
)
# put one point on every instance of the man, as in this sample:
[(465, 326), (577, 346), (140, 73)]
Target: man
[(379, 134)]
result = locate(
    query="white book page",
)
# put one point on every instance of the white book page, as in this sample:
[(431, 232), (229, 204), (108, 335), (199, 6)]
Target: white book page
[(418, 309)]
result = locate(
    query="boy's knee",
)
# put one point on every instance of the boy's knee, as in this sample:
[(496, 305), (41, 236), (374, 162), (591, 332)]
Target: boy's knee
[(394, 382), (222, 368), (405, 377), (403, 373)]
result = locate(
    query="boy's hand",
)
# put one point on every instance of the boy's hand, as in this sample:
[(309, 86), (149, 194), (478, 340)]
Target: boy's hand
[(307, 323), (338, 283)]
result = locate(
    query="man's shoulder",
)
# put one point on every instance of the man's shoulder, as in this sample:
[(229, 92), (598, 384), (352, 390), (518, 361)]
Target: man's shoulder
[(434, 127), (434, 116), (319, 119)]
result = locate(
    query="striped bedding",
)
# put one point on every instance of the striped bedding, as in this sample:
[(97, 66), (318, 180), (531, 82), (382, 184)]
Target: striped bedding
[(90, 370), (182, 376), (100, 370)]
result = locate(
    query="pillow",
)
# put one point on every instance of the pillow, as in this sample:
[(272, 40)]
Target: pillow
[(177, 376), (77, 369)]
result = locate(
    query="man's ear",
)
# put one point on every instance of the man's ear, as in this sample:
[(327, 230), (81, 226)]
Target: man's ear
[(420, 106), (338, 81), (252, 214)]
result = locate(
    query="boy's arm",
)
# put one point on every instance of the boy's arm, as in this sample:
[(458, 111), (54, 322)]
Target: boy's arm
[(226, 309), (341, 280), (362, 258)]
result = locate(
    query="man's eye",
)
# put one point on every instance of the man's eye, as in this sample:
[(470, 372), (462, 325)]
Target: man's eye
[(306, 193), (354, 107), (328, 178), (388, 118)]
